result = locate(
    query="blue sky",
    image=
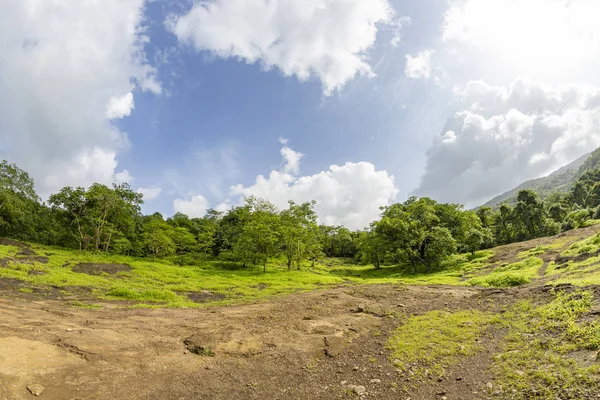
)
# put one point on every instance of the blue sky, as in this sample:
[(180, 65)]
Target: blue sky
[(226, 105), (192, 102)]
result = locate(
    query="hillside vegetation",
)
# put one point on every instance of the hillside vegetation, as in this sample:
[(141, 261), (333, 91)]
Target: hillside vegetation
[(560, 181)]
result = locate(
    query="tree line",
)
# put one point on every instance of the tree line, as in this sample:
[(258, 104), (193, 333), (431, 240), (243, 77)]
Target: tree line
[(419, 233)]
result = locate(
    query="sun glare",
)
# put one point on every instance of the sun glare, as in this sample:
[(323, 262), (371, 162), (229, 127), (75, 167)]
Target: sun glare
[(546, 38)]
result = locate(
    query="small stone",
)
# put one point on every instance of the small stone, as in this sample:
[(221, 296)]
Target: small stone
[(458, 378), (69, 329), (375, 381), (359, 390), (186, 352), (361, 308), (444, 398), (519, 372), (35, 389), (489, 385), (442, 393), (355, 369), (401, 305), (381, 353)]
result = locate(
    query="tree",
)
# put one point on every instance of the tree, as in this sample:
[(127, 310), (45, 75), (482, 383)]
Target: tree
[(299, 232), (183, 240), (557, 212), (70, 204), (437, 246), (157, 237), (486, 216), (371, 247), (260, 233)]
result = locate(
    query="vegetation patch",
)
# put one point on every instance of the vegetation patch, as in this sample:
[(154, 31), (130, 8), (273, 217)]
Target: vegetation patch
[(589, 245), (550, 350), (514, 274), (435, 340)]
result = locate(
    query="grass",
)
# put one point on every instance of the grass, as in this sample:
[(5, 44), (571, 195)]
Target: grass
[(163, 282), (514, 274), (550, 350), (166, 283), (451, 272), (589, 245), (433, 341)]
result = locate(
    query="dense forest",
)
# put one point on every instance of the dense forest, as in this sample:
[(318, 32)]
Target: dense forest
[(420, 233)]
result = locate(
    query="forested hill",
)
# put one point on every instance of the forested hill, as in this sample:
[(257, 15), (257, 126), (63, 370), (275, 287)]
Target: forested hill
[(561, 180)]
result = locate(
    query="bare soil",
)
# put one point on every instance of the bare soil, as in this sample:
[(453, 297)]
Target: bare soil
[(97, 269), (302, 346)]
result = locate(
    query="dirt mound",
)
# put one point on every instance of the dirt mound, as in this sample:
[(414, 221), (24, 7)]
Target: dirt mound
[(97, 269)]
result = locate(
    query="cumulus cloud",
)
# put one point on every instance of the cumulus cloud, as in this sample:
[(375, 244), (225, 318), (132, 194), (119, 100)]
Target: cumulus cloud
[(506, 135), (66, 68), (291, 158), (119, 107), (348, 195), (195, 207), (418, 66), (150, 193), (326, 39)]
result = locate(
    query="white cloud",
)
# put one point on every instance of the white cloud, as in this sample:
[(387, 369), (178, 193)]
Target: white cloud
[(326, 39), (119, 107), (291, 158), (348, 195), (64, 67), (419, 66), (506, 135), (123, 177), (541, 38), (150, 193), (195, 207)]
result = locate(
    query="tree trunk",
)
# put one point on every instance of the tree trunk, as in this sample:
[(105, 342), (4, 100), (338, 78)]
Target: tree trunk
[(265, 264), (289, 264)]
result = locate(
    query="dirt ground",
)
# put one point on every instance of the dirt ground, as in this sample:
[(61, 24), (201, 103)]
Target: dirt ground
[(302, 346)]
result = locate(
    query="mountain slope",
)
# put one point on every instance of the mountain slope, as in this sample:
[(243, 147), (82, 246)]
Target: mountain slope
[(560, 180)]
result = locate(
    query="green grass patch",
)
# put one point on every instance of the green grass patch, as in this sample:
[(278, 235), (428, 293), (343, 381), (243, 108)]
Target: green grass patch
[(451, 272), (540, 357), (589, 245), (514, 274), (436, 340)]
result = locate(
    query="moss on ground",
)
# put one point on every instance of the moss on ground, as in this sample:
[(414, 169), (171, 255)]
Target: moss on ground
[(550, 350), (514, 274), (436, 340)]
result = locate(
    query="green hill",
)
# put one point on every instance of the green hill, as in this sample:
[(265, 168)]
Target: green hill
[(560, 180)]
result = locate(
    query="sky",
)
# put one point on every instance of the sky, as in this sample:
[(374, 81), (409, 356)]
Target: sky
[(356, 104)]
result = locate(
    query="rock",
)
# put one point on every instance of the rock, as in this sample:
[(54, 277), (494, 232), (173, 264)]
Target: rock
[(489, 385), (519, 372), (401, 305), (69, 329), (358, 390), (355, 369), (360, 308), (35, 389), (375, 381), (444, 398), (442, 393)]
